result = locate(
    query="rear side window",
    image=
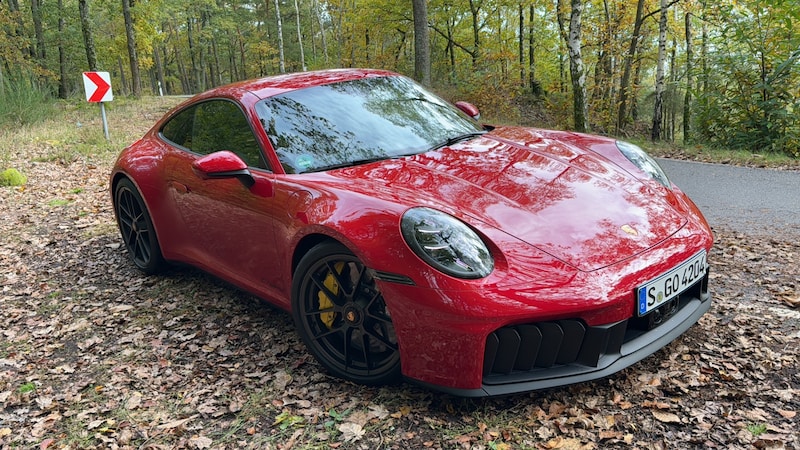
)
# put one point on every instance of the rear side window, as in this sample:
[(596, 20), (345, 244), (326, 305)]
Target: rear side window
[(213, 126)]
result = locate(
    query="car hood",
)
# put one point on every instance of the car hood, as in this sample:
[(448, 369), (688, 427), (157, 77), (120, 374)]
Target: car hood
[(569, 202)]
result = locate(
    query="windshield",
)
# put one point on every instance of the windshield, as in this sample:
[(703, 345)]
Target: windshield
[(358, 121)]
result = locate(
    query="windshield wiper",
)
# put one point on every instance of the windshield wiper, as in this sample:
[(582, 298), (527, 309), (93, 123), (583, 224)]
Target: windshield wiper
[(461, 137), (357, 162)]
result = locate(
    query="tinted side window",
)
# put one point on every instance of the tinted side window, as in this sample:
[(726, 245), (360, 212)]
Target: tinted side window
[(179, 128), (213, 126), (221, 125)]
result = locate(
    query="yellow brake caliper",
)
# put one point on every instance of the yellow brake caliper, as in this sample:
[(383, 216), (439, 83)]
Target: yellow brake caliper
[(324, 301)]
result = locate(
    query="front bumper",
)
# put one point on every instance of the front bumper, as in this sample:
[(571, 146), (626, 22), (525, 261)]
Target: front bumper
[(503, 340), (549, 354)]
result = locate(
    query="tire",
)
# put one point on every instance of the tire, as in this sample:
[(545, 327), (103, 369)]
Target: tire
[(342, 316), (136, 228)]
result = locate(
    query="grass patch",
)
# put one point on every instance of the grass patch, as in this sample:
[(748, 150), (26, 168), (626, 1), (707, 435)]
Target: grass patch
[(72, 131), (57, 203), (712, 154), (23, 101), (757, 429), (27, 387)]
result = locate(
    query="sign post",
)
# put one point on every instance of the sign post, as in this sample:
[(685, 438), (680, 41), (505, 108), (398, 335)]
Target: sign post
[(98, 90)]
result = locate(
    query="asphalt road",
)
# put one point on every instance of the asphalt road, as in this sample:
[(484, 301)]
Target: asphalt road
[(752, 201)]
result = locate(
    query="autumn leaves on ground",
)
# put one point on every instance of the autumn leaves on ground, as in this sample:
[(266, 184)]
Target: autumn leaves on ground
[(95, 355)]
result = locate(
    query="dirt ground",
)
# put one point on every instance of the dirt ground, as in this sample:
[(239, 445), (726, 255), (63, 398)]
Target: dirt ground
[(95, 355)]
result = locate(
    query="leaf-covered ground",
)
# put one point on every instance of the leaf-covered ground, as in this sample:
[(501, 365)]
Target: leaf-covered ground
[(95, 355)]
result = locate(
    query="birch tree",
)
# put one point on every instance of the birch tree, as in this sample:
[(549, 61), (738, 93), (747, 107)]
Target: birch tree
[(281, 56), (687, 99), (658, 109), (580, 110), (300, 37)]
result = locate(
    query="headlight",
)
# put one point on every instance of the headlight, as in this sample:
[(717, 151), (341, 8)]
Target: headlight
[(643, 161), (446, 243)]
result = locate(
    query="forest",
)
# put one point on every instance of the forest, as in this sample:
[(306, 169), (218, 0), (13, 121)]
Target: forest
[(721, 73)]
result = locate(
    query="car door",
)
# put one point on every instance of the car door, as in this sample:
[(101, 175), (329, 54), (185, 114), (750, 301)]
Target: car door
[(229, 227)]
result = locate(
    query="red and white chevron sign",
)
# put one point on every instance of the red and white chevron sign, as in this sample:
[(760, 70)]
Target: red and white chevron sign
[(98, 87)]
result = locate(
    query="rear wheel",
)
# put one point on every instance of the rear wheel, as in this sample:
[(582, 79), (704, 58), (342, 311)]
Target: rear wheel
[(137, 228), (342, 316)]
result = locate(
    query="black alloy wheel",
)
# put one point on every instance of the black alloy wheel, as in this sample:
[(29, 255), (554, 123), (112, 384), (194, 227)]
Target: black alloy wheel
[(342, 316), (137, 228)]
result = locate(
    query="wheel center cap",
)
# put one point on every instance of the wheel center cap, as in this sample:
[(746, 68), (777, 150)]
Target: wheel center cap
[(352, 315)]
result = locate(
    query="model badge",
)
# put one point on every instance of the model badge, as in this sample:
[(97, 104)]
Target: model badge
[(630, 230)]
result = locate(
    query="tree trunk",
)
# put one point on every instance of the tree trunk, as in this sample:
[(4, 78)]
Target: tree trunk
[(62, 57), (422, 48), (321, 31), (658, 108), (534, 86), (300, 37), (123, 80), (624, 86), (162, 87), (580, 111), (521, 41), (475, 9), (194, 78), (281, 58), (88, 38), (136, 81), (687, 99), (38, 31)]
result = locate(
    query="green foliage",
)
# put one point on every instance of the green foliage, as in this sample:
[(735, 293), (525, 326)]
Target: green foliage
[(22, 99), (12, 177), (752, 102), (494, 53)]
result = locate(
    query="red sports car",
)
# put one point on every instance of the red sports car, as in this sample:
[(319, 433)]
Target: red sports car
[(408, 240)]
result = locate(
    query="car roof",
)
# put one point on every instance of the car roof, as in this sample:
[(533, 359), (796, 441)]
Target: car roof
[(278, 84)]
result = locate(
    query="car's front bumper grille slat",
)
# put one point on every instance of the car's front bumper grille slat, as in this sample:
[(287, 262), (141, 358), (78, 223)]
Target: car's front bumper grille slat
[(531, 337)]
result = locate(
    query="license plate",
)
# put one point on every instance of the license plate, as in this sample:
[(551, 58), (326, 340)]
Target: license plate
[(671, 284)]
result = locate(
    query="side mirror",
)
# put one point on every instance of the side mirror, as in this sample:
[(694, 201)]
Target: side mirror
[(224, 164), (469, 109)]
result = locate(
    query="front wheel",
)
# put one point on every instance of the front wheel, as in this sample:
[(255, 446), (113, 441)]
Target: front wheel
[(342, 316), (137, 228)]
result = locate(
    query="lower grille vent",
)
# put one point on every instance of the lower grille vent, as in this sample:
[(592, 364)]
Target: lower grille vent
[(546, 344)]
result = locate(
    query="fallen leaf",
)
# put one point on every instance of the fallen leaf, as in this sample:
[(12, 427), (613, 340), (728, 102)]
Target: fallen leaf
[(666, 417), (200, 442), (351, 431), (133, 401), (176, 423)]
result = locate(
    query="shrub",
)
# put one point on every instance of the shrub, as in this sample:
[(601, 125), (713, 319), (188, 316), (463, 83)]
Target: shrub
[(12, 177)]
